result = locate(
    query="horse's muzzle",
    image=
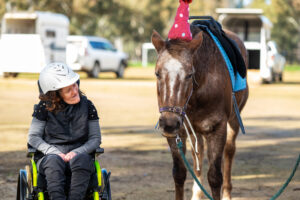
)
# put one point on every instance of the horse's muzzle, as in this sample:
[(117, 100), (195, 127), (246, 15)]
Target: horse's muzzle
[(170, 123)]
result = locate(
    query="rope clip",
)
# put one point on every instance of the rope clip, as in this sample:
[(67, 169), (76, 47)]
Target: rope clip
[(178, 139)]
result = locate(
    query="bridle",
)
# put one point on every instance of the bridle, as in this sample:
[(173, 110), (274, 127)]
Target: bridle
[(177, 109)]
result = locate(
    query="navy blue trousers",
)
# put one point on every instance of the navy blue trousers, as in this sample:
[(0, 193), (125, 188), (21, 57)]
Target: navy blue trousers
[(55, 170)]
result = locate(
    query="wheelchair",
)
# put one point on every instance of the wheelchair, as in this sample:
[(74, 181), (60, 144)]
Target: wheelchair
[(33, 186)]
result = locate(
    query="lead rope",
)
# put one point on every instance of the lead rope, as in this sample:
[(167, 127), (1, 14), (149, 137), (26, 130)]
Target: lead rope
[(196, 141), (191, 127), (187, 165), (189, 137)]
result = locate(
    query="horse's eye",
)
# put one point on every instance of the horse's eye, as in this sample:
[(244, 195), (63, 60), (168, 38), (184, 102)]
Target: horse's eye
[(157, 75), (189, 76)]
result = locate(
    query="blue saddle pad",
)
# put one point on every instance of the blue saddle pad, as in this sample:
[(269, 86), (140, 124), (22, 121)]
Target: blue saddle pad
[(238, 83)]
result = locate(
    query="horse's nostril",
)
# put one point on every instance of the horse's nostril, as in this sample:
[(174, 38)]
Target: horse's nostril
[(169, 129), (161, 122), (169, 124)]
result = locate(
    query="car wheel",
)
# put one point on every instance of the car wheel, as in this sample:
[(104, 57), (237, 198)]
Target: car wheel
[(120, 72), (95, 71)]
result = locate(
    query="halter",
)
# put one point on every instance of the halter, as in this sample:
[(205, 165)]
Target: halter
[(181, 111), (177, 109)]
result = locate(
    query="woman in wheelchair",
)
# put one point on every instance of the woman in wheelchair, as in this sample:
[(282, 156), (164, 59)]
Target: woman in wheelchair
[(65, 128)]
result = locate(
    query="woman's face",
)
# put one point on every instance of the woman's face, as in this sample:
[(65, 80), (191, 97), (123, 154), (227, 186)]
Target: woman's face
[(70, 94)]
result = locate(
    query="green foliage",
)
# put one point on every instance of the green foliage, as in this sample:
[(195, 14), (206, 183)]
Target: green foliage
[(132, 21), (285, 16), (138, 64), (295, 67)]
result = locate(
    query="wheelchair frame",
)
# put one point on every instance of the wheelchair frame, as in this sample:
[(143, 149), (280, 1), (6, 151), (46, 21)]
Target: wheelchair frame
[(28, 189)]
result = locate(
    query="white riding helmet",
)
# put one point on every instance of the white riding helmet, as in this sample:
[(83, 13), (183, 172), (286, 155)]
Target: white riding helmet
[(56, 76)]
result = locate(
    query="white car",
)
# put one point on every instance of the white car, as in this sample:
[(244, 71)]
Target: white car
[(275, 61), (94, 55)]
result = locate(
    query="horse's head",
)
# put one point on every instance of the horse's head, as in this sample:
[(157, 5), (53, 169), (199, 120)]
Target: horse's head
[(174, 71)]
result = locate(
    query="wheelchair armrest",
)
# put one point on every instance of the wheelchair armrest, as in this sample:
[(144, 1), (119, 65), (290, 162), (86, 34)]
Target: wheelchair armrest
[(31, 151), (99, 151)]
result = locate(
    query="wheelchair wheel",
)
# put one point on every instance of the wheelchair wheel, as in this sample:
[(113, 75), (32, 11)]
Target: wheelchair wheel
[(22, 185), (29, 178), (106, 193)]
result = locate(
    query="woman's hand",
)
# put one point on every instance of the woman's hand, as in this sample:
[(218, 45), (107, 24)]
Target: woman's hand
[(69, 156), (63, 156)]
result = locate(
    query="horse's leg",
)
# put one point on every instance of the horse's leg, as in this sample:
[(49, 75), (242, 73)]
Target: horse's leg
[(229, 151), (197, 192), (179, 170), (215, 147)]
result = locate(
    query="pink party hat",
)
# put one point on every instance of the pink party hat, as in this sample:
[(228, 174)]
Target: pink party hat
[(181, 26)]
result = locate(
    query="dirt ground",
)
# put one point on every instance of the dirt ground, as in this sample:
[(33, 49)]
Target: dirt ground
[(138, 156)]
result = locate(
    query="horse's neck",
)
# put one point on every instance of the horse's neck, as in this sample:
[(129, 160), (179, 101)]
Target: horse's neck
[(205, 60)]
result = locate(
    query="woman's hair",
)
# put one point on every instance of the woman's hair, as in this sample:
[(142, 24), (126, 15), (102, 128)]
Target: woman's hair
[(53, 100)]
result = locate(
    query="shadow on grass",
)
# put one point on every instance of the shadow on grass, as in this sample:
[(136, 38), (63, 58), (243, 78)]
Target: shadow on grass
[(289, 83), (277, 118), (138, 173)]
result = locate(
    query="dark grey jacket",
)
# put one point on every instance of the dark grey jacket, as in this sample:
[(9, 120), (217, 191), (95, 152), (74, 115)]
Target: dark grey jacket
[(75, 128)]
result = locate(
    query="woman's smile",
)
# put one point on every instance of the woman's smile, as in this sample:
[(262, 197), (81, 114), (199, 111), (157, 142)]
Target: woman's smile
[(70, 94)]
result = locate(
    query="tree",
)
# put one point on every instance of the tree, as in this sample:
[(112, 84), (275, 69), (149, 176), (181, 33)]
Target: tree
[(285, 16), (131, 21)]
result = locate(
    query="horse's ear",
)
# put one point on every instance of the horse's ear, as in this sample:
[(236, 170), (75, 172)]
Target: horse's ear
[(196, 42), (157, 41)]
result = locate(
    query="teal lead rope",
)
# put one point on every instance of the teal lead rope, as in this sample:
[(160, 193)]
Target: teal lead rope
[(186, 163), (287, 181)]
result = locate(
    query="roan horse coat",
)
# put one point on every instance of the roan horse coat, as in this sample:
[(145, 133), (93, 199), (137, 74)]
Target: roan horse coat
[(193, 77)]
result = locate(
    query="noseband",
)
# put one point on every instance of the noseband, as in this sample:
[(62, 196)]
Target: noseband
[(177, 109)]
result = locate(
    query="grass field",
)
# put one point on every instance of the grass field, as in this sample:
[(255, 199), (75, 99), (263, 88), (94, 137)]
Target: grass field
[(294, 67), (138, 156)]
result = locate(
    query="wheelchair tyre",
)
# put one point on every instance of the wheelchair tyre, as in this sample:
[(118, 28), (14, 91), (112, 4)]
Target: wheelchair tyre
[(29, 178), (22, 188), (107, 192)]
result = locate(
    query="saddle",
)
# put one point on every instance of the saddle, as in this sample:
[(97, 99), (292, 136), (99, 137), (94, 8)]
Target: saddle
[(229, 45)]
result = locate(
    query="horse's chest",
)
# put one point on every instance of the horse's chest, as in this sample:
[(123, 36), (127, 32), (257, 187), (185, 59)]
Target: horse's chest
[(206, 126)]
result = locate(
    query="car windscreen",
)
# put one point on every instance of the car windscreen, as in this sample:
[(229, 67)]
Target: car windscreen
[(97, 45), (101, 45)]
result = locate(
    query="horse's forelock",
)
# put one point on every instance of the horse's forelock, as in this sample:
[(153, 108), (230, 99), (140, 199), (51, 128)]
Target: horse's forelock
[(175, 47)]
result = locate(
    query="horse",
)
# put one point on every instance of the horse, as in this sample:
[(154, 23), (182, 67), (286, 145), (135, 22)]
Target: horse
[(193, 80)]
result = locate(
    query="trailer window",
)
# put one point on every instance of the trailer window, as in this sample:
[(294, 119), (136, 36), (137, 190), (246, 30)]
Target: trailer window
[(19, 26), (50, 34), (253, 59), (248, 29)]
